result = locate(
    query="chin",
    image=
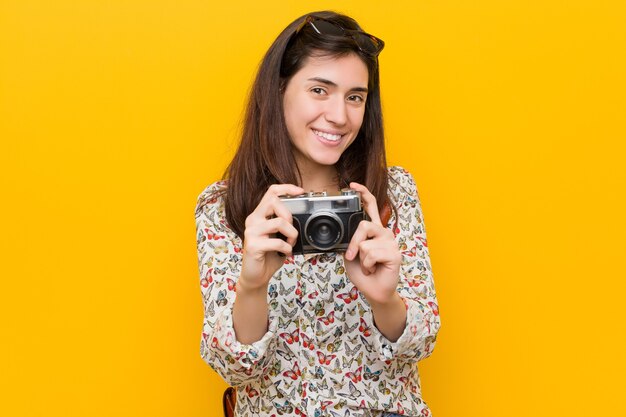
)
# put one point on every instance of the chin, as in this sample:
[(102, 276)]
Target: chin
[(327, 160)]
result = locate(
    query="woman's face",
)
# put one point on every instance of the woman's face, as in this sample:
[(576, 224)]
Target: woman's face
[(324, 104)]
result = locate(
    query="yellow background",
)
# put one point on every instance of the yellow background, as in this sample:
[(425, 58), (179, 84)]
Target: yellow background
[(114, 115)]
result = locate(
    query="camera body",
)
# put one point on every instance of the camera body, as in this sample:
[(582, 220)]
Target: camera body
[(324, 223)]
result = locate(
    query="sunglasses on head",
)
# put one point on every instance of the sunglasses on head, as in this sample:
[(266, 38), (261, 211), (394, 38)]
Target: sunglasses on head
[(368, 44)]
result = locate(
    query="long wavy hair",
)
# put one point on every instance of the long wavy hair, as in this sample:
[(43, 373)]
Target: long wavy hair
[(265, 155)]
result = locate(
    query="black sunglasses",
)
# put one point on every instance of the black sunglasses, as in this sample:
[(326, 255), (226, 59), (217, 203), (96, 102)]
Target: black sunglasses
[(368, 44)]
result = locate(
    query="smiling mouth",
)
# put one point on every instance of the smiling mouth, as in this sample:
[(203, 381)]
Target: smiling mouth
[(328, 136)]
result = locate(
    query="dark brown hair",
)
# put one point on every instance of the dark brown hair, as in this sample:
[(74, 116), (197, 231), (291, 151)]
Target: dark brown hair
[(265, 154)]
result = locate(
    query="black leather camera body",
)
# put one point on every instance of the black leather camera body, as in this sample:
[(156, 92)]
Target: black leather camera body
[(325, 223)]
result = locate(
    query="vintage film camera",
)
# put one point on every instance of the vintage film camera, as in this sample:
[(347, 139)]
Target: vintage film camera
[(324, 223)]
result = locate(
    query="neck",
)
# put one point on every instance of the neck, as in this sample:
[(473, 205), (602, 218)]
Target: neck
[(319, 178)]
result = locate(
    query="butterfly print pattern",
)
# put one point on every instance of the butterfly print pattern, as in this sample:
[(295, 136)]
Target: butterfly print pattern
[(322, 354)]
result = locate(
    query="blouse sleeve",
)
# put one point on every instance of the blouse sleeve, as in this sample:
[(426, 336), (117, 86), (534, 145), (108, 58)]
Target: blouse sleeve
[(416, 285), (219, 261)]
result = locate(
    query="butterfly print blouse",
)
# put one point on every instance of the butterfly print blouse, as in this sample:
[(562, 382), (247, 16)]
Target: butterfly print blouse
[(322, 354)]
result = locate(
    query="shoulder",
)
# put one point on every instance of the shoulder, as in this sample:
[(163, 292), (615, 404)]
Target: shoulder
[(211, 210), (211, 198), (400, 181)]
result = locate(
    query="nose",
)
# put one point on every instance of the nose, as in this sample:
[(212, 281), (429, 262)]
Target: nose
[(336, 111)]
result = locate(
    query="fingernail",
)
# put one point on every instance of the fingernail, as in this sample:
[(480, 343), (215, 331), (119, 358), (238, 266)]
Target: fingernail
[(349, 254)]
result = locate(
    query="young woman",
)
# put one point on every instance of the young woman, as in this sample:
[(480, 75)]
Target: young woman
[(334, 333)]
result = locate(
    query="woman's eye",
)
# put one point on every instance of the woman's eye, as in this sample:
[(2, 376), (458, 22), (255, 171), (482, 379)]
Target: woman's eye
[(356, 98), (318, 90)]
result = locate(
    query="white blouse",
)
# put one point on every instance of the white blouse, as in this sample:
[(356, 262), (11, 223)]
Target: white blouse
[(322, 354)]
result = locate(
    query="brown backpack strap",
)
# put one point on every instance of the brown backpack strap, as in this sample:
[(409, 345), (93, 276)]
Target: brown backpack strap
[(385, 214), (228, 400)]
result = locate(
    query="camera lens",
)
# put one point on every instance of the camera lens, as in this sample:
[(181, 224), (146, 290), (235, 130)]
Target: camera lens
[(323, 231)]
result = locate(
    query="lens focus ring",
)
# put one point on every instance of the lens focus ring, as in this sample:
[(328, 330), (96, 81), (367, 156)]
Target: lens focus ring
[(323, 230)]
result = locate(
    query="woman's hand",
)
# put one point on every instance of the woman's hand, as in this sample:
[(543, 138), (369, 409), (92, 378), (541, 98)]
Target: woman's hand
[(372, 263), (261, 247), (261, 259), (373, 257)]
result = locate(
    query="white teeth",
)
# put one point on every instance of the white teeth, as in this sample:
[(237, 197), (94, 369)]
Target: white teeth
[(327, 136)]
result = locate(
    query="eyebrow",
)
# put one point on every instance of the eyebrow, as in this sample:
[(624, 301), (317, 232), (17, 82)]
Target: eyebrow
[(333, 84)]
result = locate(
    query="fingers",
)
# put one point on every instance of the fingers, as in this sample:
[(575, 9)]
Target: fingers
[(373, 256), (259, 249), (271, 217), (373, 244), (271, 205), (365, 231), (372, 252), (270, 227), (368, 200)]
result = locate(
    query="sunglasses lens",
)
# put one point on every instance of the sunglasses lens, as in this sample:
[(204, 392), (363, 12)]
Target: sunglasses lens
[(326, 28), (368, 44)]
